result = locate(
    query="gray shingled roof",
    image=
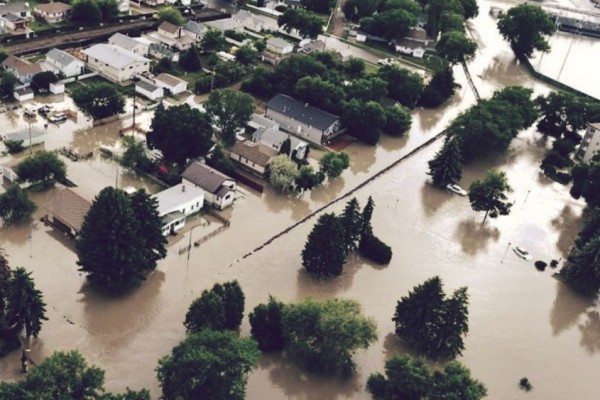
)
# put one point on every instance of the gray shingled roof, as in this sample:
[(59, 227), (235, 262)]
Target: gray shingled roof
[(146, 86), (61, 57), (194, 27), (13, 8), (123, 41), (302, 112), (205, 177), (278, 42), (23, 134), (114, 56)]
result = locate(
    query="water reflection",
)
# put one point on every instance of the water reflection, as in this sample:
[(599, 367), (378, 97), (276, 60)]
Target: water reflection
[(432, 198), (566, 223), (362, 156), (568, 307), (328, 191), (590, 332), (474, 235), (278, 202)]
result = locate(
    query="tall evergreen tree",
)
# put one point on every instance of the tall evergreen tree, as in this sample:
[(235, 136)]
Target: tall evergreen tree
[(591, 229), (325, 251), (25, 304), (286, 147), (582, 271), (352, 222), (233, 300), (367, 213), (190, 60), (265, 323), (145, 210), (446, 166), (4, 277)]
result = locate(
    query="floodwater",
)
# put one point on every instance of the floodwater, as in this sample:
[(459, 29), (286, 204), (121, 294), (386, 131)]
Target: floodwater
[(522, 321)]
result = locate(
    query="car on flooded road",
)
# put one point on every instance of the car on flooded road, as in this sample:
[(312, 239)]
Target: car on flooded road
[(522, 253), (454, 188), (58, 117)]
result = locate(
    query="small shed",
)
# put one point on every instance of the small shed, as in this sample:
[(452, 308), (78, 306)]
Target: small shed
[(57, 88), (279, 46), (171, 83), (67, 211), (149, 90), (23, 94)]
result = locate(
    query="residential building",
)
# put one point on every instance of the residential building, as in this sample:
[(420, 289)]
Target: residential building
[(149, 90), (313, 46), (172, 36), (250, 21), (194, 29), (258, 121), (52, 12), (417, 34), (128, 43), (176, 203), (159, 50), (274, 138), (61, 62), (227, 24), (219, 189), (410, 47), (16, 16), (171, 83), (279, 46), (252, 156), (123, 6), (29, 137), (23, 94), (302, 119), (67, 211), (24, 70), (590, 145), (115, 63)]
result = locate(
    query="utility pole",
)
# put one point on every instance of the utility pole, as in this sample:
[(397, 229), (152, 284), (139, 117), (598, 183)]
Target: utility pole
[(135, 80), (506, 251), (190, 245)]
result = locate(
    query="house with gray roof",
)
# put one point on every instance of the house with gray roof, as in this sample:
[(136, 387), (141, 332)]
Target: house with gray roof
[(252, 156), (61, 62), (219, 189), (194, 29), (52, 12), (23, 69), (115, 63), (149, 90), (129, 44), (274, 138), (279, 46), (302, 119), (15, 16)]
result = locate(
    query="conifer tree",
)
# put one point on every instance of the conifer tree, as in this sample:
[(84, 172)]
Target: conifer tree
[(325, 251), (582, 271), (352, 222), (446, 166), (25, 304)]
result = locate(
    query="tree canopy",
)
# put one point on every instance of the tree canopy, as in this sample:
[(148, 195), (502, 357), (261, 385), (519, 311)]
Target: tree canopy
[(43, 167), (208, 365), (446, 166), (526, 27), (171, 15), (120, 240), (333, 164), (582, 271), (25, 306), (489, 195), (190, 60), (439, 89), (456, 47), (15, 206), (99, 100), (324, 253), (431, 323), (564, 114), (266, 328), (283, 173), (364, 120), (86, 12), (586, 180), (404, 86), (389, 24), (307, 23), (42, 80), (180, 132), (229, 110), (220, 308)]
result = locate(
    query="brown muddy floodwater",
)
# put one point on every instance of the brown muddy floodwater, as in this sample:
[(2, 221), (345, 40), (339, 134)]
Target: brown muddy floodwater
[(522, 321)]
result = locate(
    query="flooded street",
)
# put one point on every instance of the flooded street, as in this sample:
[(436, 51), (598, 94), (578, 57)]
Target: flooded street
[(522, 321)]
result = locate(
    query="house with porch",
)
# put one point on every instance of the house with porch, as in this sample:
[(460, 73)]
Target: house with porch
[(52, 12), (15, 16), (67, 211), (172, 36), (176, 203), (219, 189), (61, 62), (252, 156), (23, 69)]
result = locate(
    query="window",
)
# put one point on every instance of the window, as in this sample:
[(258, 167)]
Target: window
[(198, 204)]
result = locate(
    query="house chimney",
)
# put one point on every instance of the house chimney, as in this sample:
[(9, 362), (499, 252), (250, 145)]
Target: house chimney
[(183, 188)]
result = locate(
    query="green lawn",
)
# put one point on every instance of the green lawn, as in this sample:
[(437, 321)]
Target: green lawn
[(36, 25)]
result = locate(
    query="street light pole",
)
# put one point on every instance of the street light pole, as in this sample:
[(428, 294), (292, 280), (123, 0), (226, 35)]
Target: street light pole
[(506, 251), (135, 80), (190, 244)]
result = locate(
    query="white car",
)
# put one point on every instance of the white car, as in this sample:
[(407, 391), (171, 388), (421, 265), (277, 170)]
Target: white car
[(386, 61), (29, 111), (454, 188), (58, 117), (522, 253)]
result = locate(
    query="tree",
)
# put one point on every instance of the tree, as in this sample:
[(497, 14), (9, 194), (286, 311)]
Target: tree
[(390, 24), (230, 110), (319, 6), (212, 41), (44, 168), (437, 8), (86, 12), (190, 60), (206, 312), (233, 303), (208, 365), (180, 132), (324, 253), (354, 67), (406, 379), (135, 155), (307, 178), (42, 80), (403, 86), (582, 271), (454, 382), (430, 323), (586, 178), (289, 71), (564, 114), (283, 173), (171, 15), (15, 206), (521, 98), (323, 336), (451, 21), (455, 47), (320, 93), (286, 147), (266, 328), (446, 166), (364, 121), (3, 55), (109, 9), (489, 195), (219, 161), (590, 230), (398, 120), (439, 89), (165, 64), (4, 278), (114, 247), (372, 248), (367, 89), (333, 164), (25, 304), (246, 55), (526, 27), (352, 222), (99, 100), (354, 10), (8, 81), (307, 23)]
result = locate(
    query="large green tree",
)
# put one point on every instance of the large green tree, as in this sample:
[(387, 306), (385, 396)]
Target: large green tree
[(446, 166), (116, 249), (333, 164), (527, 28), (324, 253), (99, 100), (109, 9), (42, 80), (565, 114), (489, 195), (404, 86), (171, 15), (230, 110), (365, 121), (398, 120), (44, 167), (454, 382), (190, 60), (86, 12), (208, 365), (370, 88), (586, 181), (431, 323), (8, 81), (220, 308), (439, 89), (323, 336), (15, 206), (352, 222), (582, 271), (389, 24), (307, 23), (404, 378), (25, 304), (180, 132), (456, 47), (266, 325), (590, 230), (283, 173), (320, 93)]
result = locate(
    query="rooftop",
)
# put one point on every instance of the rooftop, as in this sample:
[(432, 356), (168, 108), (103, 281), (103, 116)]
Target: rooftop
[(176, 196), (274, 137), (278, 42), (168, 27), (24, 90), (23, 134), (21, 66), (114, 56), (146, 86), (61, 57), (53, 8), (258, 121), (68, 207), (123, 41), (411, 44), (169, 79), (194, 27), (301, 111), (13, 8), (417, 33), (205, 177), (256, 152)]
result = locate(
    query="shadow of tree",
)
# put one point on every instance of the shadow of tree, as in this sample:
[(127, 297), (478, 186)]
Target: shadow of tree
[(590, 332), (433, 198), (567, 308), (474, 236)]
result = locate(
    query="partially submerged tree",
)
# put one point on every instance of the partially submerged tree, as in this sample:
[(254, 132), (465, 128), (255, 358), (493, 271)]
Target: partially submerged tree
[(15, 206), (446, 166), (324, 253), (190, 60), (489, 195), (25, 306), (44, 167), (582, 271), (229, 110), (266, 326), (527, 28), (42, 80), (220, 308), (456, 47), (171, 15), (283, 173), (99, 100), (333, 164)]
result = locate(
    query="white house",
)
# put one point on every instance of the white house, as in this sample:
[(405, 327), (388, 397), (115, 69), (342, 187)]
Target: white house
[(52, 12), (29, 137), (172, 36), (171, 83), (129, 44), (410, 47), (252, 156), (123, 6), (194, 29), (219, 189), (115, 63), (279, 46), (302, 119), (22, 69), (23, 94), (176, 203), (274, 138), (149, 90), (61, 62), (590, 145), (16, 16)]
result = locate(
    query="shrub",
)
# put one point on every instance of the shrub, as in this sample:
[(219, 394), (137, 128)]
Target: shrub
[(374, 249)]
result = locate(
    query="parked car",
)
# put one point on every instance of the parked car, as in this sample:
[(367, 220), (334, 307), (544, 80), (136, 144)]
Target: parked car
[(522, 253), (386, 61), (58, 117), (454, 188), (29, 111), (44, 110)]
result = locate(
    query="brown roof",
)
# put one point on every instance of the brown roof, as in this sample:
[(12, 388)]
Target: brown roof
[(69, 208), (255, 152), (22, 67), (169, 79), (168, 27), (52, 8), (205, 177), (419, 34)]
